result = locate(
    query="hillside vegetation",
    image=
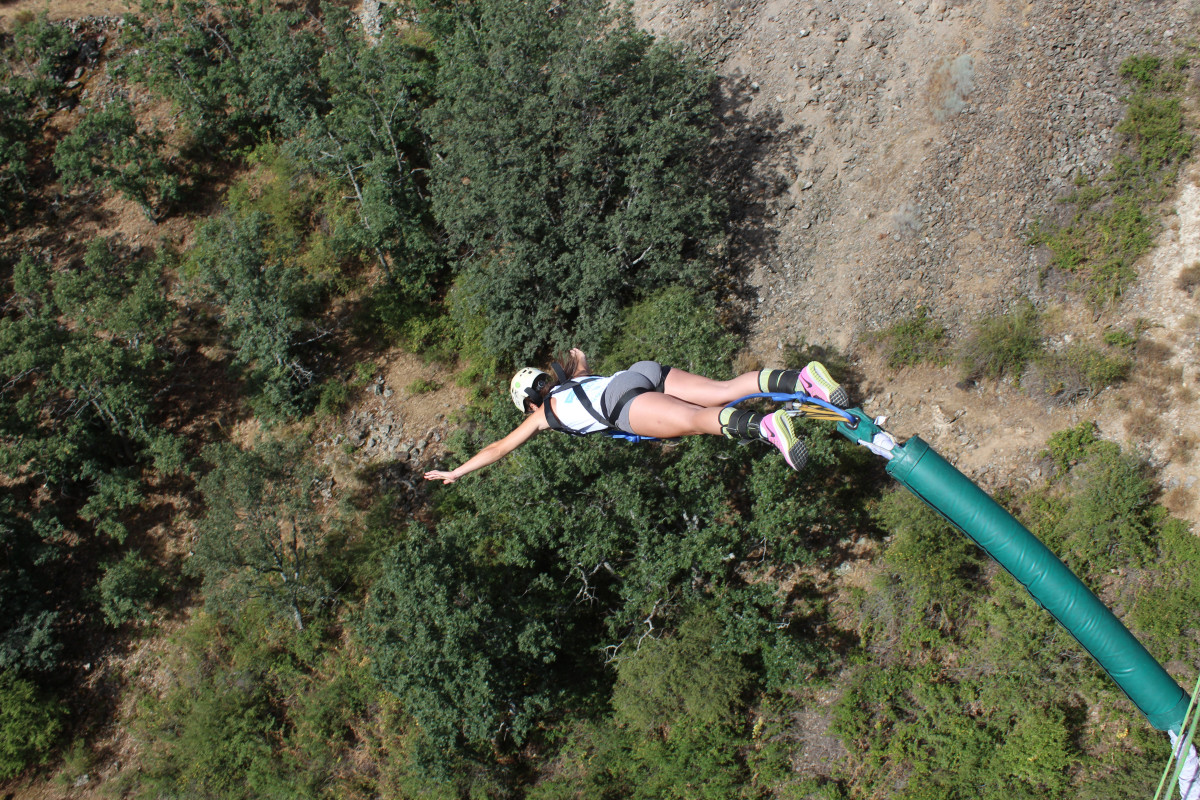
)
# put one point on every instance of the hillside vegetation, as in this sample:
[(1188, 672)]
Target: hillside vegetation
[(197, 600)]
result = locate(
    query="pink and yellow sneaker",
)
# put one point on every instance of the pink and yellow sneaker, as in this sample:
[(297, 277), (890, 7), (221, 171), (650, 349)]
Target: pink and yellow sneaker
[(816, 381), (778, 429)]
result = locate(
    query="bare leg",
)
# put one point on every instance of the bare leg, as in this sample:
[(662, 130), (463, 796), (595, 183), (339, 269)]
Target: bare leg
[(665, 417), (702, 391)]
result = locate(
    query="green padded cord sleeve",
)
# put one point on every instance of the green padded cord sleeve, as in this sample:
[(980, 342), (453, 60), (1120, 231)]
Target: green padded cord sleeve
[(933, 479)]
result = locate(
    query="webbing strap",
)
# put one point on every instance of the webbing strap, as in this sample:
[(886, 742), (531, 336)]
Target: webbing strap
[(604, 416)]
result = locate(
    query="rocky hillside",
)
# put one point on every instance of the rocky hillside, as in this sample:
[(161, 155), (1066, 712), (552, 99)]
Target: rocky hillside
[(903, 149)]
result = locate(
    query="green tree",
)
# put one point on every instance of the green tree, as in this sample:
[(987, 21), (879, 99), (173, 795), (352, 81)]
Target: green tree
[(369, 141), (474, 660), (565, 168), (245, 266), (235, 69), (106, 149), (128, 588), (261, 535), (29, 724), (81, 355), (40, 58), (28, 560), (15, 132)]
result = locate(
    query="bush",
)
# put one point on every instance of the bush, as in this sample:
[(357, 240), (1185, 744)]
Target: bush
[(15, 132), (1113, 222), (257, 710), (1079, 371), (107, 149), (81, 349), (566, 169), (674, 327), (935, 565), (1002, 345), (912, 341), (263, 299), (129, 588), (1069, 447), (234, 70), (47, 50), (29, 725)]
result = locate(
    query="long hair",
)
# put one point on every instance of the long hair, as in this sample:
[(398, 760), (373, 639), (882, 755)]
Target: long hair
[(565, 365)]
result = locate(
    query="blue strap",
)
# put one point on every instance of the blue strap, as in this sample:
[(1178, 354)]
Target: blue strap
[(801, 397)]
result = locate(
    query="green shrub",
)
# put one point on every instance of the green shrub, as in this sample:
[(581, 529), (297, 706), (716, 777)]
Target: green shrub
[(1120, 338), (257, 710), (233, 70), (1109, 519), (29, 725), (935, 565), (129, 588), (107, 149), (674, 327), (1078, 371), (422, 386), (678, 682), (263, 534), (333, 397), (566, 169), (81, 349), (46, 50), (1067, 448), (15, 132), (1113, 223), (243, 265), (915, 340), (1002, 345)]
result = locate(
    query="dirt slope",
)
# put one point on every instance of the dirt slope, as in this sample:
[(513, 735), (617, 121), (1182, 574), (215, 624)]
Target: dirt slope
[(906, 147)]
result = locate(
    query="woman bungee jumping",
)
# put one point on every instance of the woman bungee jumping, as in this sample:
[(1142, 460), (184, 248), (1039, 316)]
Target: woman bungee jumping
[(652, 401)]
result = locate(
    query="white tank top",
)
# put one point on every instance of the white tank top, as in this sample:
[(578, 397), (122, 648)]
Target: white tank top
[(569, 409)]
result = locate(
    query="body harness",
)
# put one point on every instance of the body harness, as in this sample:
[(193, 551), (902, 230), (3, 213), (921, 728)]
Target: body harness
[(604, 416)]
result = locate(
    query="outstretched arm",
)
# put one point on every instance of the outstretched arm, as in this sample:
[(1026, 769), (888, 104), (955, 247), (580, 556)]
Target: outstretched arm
[(496, 450)]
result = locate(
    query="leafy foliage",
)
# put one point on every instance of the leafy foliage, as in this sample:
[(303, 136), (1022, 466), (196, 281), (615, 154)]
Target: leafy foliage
[(936, 565), (914, 340), (80, 354), (245, 265), (675, 327), (259, 711), (107, 149), (234, 70), (129, 588), (40, 58), (1112, 224), (473, 660), (28, 640), (29, 724), (565, 169), (15, 132), (1002, 345), (262, 536), (369, 141)]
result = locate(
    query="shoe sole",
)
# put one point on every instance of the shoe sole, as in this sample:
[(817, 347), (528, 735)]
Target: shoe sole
[(815, 376), (796, 455)]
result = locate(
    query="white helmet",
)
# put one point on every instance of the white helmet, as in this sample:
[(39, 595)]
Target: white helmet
[(526, 386)]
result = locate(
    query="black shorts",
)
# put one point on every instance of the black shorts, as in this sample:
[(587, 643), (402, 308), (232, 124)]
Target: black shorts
[(644, 376)]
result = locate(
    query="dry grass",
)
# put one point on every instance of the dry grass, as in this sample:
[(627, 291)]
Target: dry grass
[(1181, 448), (1143, 424), (1179, 501), (1189, 279)]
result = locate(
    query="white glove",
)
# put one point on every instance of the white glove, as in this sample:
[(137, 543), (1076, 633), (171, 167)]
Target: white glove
[(881, 444), (1189, 776)]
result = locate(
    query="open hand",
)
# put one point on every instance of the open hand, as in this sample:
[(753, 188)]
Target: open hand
[(440, 475)]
